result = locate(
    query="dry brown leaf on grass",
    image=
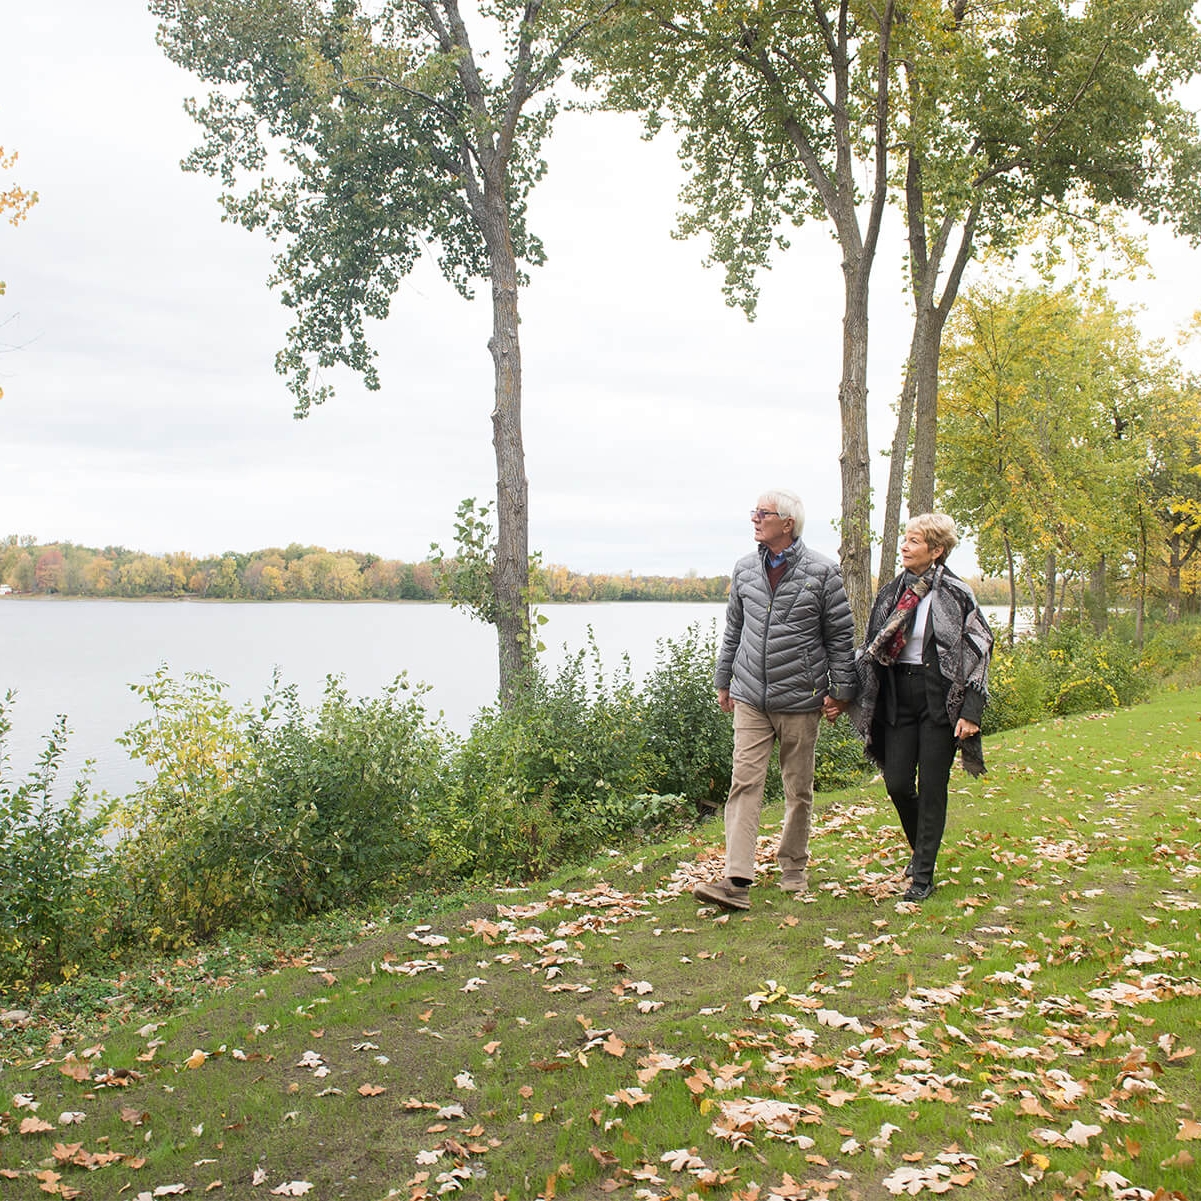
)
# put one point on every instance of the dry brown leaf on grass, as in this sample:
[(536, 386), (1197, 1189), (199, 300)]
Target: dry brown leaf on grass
[(1182, 1159), (683, 1160), (71, 1067), (614, 1046)]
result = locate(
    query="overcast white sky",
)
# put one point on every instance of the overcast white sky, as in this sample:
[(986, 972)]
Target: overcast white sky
[(141, 407)]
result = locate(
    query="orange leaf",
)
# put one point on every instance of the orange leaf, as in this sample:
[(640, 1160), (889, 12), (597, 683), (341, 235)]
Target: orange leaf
[(614, 1046), (1182, 1159), (73, 1068)]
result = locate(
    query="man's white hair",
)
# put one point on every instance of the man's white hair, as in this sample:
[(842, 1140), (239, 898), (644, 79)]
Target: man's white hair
[(787, 504)]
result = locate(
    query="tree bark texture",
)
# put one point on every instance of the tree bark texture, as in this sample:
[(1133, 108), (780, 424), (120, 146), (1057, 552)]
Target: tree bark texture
[(1051, 575), (511, 571), (917, 413), (1013, 588), (1097, 598), (854, 549)]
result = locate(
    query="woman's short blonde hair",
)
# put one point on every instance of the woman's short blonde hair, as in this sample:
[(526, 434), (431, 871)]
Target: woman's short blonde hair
[(937, 530)]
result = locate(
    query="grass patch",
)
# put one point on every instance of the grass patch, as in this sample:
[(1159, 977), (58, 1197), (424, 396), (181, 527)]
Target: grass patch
[(1029, 1031)]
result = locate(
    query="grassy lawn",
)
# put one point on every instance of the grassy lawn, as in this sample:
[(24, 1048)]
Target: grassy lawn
[(1030, 1031)]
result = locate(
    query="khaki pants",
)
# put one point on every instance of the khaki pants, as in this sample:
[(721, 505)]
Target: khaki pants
[(755, 732)]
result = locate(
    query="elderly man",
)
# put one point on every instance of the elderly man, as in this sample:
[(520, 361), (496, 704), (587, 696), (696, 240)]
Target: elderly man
[(786, 657)]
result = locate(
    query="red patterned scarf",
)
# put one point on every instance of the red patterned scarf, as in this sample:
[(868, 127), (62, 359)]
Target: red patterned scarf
[(894, 633)]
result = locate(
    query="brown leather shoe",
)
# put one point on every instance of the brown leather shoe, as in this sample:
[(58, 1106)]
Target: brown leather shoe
[(725, 893)]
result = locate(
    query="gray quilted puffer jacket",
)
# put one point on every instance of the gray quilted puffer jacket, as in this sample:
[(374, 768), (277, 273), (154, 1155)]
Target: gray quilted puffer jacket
[(786, 652)]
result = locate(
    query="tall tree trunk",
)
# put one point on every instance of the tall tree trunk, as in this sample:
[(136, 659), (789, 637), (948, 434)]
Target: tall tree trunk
[(917, 412), (1097, 599), (891, 533), (840, 195), (854, 550), (1034, 605), (511, 571), (1013, 587), (1174, 557), (1050, 580), (1140, 608)]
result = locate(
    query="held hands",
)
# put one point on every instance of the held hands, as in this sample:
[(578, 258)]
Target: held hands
[(830, 707)]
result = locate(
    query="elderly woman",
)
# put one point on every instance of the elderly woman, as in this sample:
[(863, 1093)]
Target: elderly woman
[(923, 673)]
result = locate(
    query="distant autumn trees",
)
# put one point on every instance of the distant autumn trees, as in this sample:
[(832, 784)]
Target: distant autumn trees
[(294, 573)]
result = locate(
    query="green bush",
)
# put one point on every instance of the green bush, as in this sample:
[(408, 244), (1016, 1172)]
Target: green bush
[(690, 740), (1173, 653), (562, 773), (52, 858), (839, 761), (179, 866), (254, 817), (1072, 670), (334, 806), (1017, 689)]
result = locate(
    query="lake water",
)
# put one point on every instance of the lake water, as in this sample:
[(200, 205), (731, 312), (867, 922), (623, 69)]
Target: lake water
[(79, 657)]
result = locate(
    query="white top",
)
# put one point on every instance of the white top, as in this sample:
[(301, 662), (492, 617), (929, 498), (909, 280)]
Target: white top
[(911, 652)]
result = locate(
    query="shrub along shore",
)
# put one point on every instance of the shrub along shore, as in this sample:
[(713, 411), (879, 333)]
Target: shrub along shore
[(258, 817)]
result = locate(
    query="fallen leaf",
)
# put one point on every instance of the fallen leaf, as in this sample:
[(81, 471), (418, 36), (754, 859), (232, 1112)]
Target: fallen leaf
[(1182, 1159), (614, 1046)]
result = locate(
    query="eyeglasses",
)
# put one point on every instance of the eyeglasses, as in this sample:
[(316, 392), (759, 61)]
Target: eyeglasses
[(760, 514)]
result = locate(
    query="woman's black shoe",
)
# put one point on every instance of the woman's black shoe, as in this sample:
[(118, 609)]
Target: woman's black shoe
[(918, 892)]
